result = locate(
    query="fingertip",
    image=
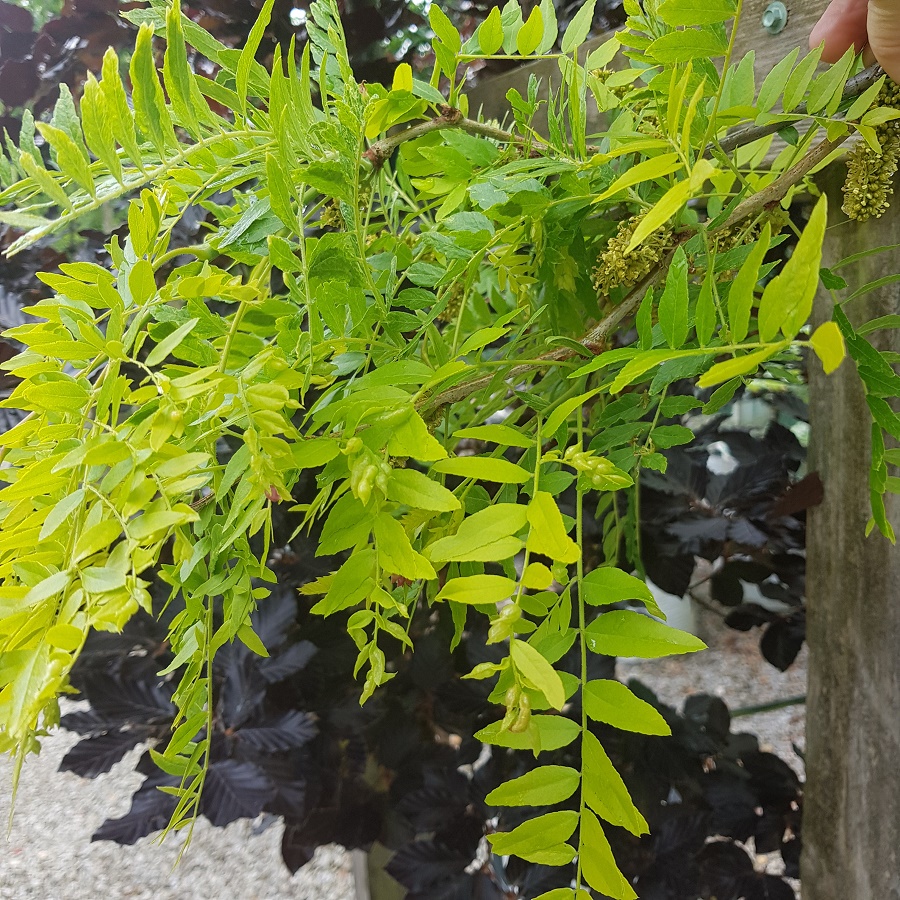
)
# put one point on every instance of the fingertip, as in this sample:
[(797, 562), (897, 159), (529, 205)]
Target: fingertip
[(842, 25), (815, 36)]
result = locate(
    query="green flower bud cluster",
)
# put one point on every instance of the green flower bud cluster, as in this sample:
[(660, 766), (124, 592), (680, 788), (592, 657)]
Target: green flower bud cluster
[(367, 471), (870, 176), (518, 711), (504, 625), (616, 268), (597, 470), (730, 238), (330, 216), (454, 303), (778, 218), (620, 91), (584, 461)]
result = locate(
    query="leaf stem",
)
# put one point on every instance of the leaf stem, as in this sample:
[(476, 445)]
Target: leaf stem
[(579, 577)]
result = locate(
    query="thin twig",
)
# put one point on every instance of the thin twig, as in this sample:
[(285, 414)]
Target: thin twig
[(776, 191), (380, 151), (747, 134), (768, 707)]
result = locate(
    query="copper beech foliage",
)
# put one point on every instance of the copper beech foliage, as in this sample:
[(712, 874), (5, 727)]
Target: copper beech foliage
[(426, 312)]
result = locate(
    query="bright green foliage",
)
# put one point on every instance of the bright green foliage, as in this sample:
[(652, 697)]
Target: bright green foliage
[(371, 296)]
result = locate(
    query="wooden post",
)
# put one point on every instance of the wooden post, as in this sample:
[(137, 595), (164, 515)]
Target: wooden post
[(851, 815)]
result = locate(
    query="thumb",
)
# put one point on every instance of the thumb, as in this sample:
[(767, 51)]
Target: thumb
[(884, 35)]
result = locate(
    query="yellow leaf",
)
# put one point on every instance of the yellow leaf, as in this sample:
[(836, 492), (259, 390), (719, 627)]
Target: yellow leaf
[(647, 170), (403, 78), (548, 533), (828, 342), (537, 577)]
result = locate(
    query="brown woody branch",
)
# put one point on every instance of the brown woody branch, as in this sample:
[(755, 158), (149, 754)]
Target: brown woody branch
[(747, 134), (600, 333), (380, 151)]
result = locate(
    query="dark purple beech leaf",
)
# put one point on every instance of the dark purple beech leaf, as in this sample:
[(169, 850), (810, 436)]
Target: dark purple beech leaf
[(741, 744), (243, 688), (291, 661), (429, 808), (16, 45), (18, 82), (420, 865), (129, 701), (744, 532), (691, 532), (781, 643), (790, 853), (295, 851), (95, 755), (15, 19), (747, 616), (765, 477), (733, 806), (88, 721), (234, 790), (273, 617), (289, 800), (684, 476), (150, 811), (681, 834), (725, 586), (722, 866), (671, 573), (765, 887), (291, 731), (461, 887), (774, 780), (807, 492), (782, 592), (769, 831), (534, 880), (710, 713)]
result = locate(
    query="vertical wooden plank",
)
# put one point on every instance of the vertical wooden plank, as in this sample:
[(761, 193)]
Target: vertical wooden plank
[(851, 820), (771, 49)]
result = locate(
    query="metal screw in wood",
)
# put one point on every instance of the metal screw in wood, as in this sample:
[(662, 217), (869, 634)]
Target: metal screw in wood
[(775, 17)]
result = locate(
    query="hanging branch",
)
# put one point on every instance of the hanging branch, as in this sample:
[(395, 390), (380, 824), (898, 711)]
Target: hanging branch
[(595, 339)]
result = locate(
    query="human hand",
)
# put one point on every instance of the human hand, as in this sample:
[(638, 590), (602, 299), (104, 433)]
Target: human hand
[(869, 25)]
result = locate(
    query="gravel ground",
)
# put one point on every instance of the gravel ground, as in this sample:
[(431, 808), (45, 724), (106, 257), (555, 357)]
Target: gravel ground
[(49, 855)]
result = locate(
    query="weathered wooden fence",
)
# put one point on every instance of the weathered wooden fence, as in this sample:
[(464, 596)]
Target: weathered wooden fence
[(852, 797)]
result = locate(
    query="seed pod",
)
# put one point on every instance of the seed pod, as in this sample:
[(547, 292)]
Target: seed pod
[(499, 631), (523, 719), (364, 488)]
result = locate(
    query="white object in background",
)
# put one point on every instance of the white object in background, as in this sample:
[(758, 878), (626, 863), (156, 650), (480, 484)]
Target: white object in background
[(680, 612)]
